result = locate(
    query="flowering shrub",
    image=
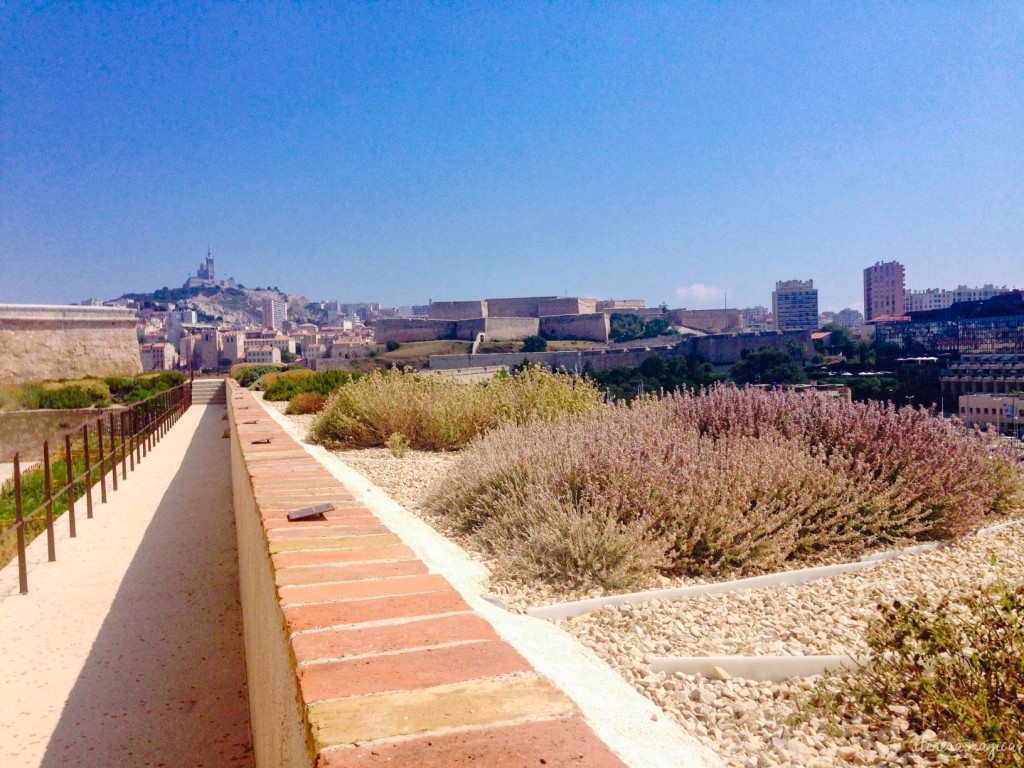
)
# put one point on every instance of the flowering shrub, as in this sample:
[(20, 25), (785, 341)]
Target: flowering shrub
[(727, 482), (441, 413)]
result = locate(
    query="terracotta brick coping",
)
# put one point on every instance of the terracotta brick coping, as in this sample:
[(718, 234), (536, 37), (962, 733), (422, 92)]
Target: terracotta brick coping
[(392, 665)]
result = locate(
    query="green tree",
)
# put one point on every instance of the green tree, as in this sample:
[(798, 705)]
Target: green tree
[(768, 365), (534, 344), (392, 345)]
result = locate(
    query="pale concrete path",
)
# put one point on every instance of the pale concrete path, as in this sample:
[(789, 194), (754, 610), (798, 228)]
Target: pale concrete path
[(128, 650)]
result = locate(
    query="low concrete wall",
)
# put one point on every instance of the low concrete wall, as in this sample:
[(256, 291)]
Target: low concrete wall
[(25, 431), (39, 342)]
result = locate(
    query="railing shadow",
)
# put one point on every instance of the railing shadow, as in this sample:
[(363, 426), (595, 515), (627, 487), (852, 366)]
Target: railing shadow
[(164, 683)]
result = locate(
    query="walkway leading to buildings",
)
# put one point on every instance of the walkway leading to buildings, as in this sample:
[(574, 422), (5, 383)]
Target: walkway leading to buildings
[(128, 650)]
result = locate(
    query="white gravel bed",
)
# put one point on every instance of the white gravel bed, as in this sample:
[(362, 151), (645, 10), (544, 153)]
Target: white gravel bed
[(755, 724)]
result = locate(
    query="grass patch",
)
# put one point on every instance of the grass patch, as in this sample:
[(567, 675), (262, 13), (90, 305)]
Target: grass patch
[(439, 413), (725, 483)]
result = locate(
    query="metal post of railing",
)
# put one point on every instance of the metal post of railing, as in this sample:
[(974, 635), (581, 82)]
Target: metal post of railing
[(51, 543), (124, 447), (69, 466), (103, 461), (88, 471), (19, 521), (136, 435), (144, 429), (113, 455)]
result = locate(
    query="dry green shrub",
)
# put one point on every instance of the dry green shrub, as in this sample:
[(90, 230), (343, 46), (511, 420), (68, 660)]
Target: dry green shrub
[(669, 486), (306, 402), (955, 667), (440, 413), (398, 445), (267, 380)]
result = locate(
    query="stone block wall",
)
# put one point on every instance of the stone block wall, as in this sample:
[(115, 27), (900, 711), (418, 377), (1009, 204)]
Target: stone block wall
[(591, 327), (524, 306), (413, 329), (708, 320), (727, 349), (567, 306), (457, 310), (498, 328), (40, 342)]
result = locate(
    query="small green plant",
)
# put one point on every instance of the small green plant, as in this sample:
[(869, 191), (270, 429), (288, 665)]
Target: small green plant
[(74, 396), (398, 445), (392, 345), (955, 667)]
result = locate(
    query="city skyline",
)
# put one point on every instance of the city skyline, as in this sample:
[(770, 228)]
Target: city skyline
[(400, 153)]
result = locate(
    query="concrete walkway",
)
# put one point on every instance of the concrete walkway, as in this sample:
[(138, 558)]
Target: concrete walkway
[(128, 650)]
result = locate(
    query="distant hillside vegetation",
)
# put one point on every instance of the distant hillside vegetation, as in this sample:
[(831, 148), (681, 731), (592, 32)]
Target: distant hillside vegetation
[(231, 305)]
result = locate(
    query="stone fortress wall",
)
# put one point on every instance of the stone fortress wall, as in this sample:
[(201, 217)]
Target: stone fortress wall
[(498, 328), (566, 306), (39, 342), (709, 320), (413, 329), (591, 327), (458, 310)]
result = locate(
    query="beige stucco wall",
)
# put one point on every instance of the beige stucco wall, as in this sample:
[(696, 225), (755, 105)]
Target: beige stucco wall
[(40, 342)]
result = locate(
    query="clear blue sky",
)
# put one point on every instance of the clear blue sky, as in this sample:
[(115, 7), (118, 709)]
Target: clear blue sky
[(405, 151)]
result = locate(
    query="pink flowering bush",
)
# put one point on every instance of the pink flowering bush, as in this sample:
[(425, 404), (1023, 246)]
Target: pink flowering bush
[(727, 482)]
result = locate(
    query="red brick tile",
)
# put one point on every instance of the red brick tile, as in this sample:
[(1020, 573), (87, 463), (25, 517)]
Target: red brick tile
[(325, 573), (567, 743), (326, 556), (271, 523), (339, 643), (357, 590), (303, 532), (408, 671), (322, 615)]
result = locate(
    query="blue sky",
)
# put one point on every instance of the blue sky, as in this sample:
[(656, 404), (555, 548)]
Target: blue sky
[(405, 151)]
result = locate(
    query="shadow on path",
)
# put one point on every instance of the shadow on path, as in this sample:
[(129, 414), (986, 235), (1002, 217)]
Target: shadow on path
[(164, 683)]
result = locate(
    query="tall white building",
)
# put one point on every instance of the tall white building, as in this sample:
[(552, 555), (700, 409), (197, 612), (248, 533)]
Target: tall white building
[(795, 305), (275, 312)]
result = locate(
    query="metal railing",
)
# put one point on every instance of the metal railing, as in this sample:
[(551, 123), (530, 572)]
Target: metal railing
[(90, 453)]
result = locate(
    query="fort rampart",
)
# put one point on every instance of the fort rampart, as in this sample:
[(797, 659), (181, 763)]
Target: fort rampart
[(498, 328), (458, 310), (39, 342), (592, 327), (408, 329)]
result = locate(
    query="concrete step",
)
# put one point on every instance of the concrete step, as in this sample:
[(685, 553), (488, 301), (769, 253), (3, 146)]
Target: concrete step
[(209, 392)]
